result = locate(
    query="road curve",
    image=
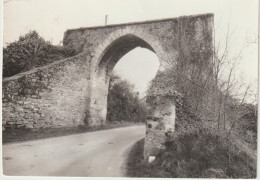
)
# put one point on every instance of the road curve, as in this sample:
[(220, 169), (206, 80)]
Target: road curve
[(93, 154)]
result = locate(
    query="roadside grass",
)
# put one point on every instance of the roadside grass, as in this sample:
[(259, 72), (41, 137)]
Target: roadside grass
[(18, 135), (197, 154)]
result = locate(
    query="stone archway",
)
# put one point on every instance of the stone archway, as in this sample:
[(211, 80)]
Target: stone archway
[(73, 91), (105, 64)]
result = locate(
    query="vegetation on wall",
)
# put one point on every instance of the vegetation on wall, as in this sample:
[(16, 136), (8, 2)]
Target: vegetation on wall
[(199, 148), (123, 103), (31, 51), (216, 125)]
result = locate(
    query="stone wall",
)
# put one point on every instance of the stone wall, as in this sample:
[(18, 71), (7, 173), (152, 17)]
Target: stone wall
[(52, 96)]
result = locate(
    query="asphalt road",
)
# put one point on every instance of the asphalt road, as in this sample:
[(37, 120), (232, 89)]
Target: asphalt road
[(94, 154)]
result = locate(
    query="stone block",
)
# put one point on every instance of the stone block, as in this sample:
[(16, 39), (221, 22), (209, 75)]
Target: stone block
[(36, 115), (29, 126), (13, 115), (20, 102), (10, 122), (35, 109), (34, 96), (19, 122), (34, 80), (19, 109), (28, 115)]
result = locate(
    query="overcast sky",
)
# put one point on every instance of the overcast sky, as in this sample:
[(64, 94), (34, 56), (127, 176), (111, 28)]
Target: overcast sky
[(51, 18)]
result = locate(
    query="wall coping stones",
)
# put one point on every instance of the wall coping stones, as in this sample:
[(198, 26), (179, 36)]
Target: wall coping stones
[(142, 22)]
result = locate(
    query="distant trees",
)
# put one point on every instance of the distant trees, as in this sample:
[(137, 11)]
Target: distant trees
[(31, 51), (123, 103)]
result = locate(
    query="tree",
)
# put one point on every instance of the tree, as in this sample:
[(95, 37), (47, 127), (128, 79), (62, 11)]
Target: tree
[(31, 51), (123, 103)]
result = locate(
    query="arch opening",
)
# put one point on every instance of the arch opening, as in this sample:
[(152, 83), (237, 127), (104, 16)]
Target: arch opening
[(118, 49), (139, 66), (129, 81), (108, 59)]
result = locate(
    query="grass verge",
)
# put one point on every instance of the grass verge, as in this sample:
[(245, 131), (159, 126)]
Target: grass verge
[(197, 154), (17, 135)]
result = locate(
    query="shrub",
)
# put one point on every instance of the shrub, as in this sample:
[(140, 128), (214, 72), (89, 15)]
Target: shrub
[(31, 51), (203, 154), (196, 153)]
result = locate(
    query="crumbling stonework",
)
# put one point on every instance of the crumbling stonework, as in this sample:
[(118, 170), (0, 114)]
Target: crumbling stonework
[(195, 55), (160, 121), (74, 91)]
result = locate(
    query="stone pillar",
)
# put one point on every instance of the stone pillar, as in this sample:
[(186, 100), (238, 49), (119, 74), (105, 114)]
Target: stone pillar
[(98, 103), (160, 123)]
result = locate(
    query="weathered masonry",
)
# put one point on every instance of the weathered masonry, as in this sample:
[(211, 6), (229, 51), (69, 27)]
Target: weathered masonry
[(74, 91)]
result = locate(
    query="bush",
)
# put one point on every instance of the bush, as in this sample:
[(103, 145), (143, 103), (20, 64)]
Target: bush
[(123, 103), (245, 125), (204, 154), (206, 106), (31, 51), (195, 154)]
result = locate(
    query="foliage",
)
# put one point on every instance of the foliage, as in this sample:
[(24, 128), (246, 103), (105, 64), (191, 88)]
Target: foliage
[(123, 103), (197, 153), (216, 130), (199, 148), (31, 51), (204, 153), (212, 92), (243, 122)]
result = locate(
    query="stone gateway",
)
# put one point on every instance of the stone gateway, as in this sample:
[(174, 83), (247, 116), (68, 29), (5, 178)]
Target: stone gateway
[(73, 91)]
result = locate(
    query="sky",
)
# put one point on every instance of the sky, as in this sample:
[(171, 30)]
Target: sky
[(51, 18)]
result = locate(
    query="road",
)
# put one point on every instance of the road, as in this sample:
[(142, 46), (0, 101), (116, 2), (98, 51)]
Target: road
[(93, 154)]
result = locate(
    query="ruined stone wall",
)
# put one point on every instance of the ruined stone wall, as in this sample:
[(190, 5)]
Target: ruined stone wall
[(194, 65), (52, 96), (160, 120)]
